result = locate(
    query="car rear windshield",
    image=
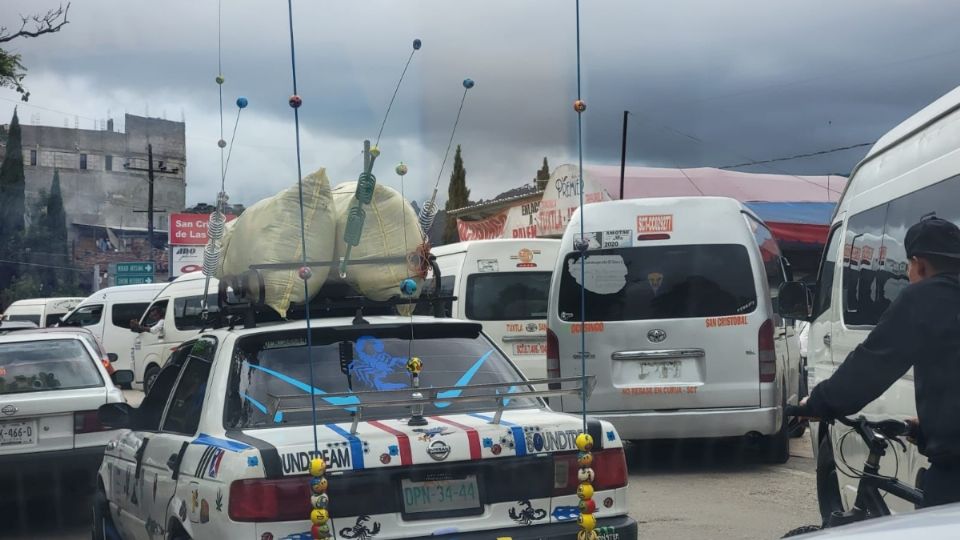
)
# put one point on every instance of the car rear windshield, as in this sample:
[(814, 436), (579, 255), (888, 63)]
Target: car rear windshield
[(507, 296), (53, 364), (659, 282), (270, 378)]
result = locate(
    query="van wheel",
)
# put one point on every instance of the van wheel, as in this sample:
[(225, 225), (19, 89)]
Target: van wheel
[(776, 447), (828, 484), (102, 527), (150, 377)]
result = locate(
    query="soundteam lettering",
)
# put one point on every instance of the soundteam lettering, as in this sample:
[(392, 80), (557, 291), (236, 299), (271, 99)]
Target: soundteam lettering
[(552, 441), (299, 462)]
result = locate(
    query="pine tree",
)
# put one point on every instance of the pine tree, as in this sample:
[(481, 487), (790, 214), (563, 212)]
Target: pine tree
[(543, 175), (53, 231), (458, 196), (12, 200)]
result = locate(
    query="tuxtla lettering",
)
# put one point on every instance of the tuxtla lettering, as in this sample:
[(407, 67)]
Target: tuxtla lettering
[(299, 462)]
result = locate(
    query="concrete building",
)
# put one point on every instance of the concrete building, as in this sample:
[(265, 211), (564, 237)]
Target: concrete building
[(104, 184)]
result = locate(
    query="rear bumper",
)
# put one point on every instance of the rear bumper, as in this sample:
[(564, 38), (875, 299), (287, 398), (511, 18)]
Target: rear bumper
[(693, 424), (77, 459), (623, 528)]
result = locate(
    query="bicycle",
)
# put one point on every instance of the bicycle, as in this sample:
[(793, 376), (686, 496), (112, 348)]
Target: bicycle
[(869, 502)]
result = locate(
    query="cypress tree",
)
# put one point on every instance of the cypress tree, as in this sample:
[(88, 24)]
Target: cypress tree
[(12, 200), (53, 230), (458, 196), (543, 175)]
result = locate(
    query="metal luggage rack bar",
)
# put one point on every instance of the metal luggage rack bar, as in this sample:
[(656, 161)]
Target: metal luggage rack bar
[(417, 397)]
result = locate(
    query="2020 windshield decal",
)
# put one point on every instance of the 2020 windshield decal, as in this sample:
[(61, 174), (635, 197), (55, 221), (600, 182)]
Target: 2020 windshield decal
[(463, 381), (374, 365)]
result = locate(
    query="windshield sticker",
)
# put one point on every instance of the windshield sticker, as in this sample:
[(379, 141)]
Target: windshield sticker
[(525, 514), (232, 446), (299, 462), (519, 328), (589, 328), (364, 529), (373, 366), (746, 307), (655, 279), (592, 239), (525, 256), (428, 434), (732, 320), (285, 343), (604, 274), (619, 238), (657, 390), (565, 513), (357, 447), (488, 265), (463, 381), (659, 223)]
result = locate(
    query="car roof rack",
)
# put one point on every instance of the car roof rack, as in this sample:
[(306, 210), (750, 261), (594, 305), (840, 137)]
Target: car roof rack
[(241, 298), (417, 397)]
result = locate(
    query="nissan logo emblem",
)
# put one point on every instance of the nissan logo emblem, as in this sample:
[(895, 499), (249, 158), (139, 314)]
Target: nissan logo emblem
[(656, 336), (438, 450), (9, 410)]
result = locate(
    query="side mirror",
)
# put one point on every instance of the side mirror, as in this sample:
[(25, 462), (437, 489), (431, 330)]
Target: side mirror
[(116, 415), (121, 377), (112, 357), (795, 301)]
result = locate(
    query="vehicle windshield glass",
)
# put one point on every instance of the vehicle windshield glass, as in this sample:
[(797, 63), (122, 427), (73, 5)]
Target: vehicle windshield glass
[(52, 364), (504, 296), (35, 319), (84, 316), (659, 282), (269, 384)]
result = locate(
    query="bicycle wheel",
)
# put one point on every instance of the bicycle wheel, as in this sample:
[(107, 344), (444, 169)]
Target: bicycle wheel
[(802, 530)]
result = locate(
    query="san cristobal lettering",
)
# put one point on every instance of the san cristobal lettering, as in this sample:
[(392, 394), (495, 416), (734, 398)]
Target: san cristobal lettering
[(299, 462)]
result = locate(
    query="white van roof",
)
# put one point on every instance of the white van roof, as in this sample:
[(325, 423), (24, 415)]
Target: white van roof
[(143, 291), (43, 301), (508, 244), (190, 281)]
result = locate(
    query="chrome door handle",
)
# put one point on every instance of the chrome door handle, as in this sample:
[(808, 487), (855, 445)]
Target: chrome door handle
[(827, 340)]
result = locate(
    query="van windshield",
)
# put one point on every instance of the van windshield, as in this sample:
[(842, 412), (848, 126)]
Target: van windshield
[(659, 282), (507, 296)]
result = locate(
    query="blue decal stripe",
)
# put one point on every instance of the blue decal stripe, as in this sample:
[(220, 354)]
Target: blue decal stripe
[(519, 440), (356, 446), (464, 379), (232, 446), (348, 400), (260, 406)]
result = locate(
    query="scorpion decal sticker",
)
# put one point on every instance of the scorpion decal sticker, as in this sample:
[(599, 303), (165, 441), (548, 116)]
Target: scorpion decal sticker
[(374, 366), (526, 514), (360, 530)]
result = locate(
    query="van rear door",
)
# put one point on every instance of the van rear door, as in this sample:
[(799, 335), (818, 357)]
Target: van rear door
[(670, 327)]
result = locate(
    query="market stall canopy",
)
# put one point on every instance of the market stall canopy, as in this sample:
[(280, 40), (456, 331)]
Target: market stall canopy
[(796, 224)]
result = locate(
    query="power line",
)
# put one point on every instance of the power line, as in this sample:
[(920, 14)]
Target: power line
[(798, 156), (38, 265)]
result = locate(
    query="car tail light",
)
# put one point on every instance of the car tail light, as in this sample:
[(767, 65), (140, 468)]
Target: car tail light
[(553, 358), (284, 499), (87, 422), (768, 353), (609, 469)]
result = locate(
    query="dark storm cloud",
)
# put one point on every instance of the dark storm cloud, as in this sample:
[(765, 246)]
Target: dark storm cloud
[(710, 83)]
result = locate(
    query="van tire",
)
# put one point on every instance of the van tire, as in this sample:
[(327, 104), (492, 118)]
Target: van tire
[(150, 376), (776, 447), (828, 485)]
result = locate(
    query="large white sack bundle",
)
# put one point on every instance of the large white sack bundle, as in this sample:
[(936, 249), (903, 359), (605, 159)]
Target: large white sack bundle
[(269, 232), (389, 230)]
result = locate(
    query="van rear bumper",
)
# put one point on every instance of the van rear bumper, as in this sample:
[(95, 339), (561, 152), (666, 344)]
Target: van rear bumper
[(694, 423)]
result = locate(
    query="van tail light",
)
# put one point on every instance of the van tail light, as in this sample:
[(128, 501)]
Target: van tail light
[(553, 358), (609, 468), (87, 422), (768, 353), (107, 365), (282, 499)]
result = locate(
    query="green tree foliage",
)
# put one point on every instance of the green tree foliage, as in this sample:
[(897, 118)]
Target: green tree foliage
[(12, 70), (12, 194), (47, 238), (458, 196)]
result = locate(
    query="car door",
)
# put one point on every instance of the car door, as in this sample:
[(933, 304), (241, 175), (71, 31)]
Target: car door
[(167, 483), (826, 312)]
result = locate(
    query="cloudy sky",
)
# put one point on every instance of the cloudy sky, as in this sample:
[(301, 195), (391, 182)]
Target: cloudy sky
[(710, 83)]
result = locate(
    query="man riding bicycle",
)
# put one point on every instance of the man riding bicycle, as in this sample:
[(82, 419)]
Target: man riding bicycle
[(920, 329)]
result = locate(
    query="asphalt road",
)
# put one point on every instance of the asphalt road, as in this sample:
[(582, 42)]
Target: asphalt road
[(697, 490)]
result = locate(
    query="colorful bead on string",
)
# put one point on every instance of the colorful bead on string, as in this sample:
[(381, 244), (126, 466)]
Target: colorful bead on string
[(319, 500), (587, 520)]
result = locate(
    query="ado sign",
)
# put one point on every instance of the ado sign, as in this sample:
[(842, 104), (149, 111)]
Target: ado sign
[(190, 229)]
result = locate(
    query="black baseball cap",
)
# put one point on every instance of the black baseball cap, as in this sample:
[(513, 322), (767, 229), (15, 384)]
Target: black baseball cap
[(933, 236)]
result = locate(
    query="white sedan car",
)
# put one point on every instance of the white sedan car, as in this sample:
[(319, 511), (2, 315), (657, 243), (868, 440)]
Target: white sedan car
[(223, 444), (51, 384)]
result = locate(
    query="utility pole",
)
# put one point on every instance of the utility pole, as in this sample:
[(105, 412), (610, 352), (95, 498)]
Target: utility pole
[(150, 209), (623, 152)]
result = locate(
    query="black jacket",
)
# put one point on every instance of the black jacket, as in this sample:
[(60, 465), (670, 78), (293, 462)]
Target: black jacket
[(920, 329)]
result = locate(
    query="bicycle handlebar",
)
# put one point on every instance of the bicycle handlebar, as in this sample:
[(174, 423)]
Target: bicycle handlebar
[(889, 428)]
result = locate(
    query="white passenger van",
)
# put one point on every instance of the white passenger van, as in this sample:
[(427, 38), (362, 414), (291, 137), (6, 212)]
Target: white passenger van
[(107, 314), (503, 284), (681, 328), (181, 305), (42, 312), (910, 173)]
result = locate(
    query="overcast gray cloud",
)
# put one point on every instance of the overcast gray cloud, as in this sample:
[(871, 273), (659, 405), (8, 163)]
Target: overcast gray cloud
[(710, 83)]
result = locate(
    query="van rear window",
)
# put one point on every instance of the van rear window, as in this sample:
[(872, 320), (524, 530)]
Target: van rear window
[(659, 282), (507, 296)]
